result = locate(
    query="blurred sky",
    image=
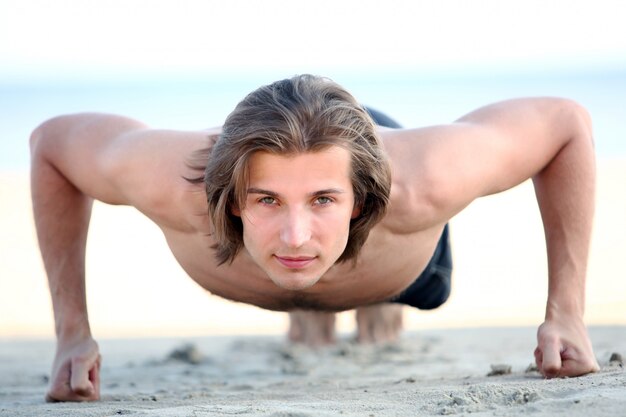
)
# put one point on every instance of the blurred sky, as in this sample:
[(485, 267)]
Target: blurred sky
[(48, 45), (70, 40)]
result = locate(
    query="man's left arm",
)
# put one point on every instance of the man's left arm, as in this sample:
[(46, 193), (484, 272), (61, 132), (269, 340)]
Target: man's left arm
[(565, 190), (442, 169)]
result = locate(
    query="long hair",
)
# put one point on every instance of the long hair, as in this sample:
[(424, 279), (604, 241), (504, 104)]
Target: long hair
[(301, 114)]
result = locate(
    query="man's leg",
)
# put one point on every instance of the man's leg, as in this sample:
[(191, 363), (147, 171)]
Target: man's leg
[(313, 328), (379, 323)]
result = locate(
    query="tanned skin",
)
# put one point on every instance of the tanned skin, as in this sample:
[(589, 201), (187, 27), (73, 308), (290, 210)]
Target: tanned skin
[(288, 262)]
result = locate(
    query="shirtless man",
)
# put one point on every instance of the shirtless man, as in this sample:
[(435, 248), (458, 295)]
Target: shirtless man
[(312, 209)]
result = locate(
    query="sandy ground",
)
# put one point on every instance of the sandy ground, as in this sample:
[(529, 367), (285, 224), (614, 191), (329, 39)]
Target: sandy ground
[(433, 372)]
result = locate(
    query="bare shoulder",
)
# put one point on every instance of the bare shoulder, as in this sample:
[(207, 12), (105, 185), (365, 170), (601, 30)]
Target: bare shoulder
[(438, 170), (122, 161), (417, 193), (152, 168)]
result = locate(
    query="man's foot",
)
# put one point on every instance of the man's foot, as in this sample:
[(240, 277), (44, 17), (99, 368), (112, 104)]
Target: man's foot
[(313, 328), (379, 323)]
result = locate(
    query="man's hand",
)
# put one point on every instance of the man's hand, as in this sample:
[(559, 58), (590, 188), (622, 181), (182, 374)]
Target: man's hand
[(564, 349), (75, 372)]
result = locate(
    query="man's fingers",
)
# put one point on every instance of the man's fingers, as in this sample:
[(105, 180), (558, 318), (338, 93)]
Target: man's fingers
[(51, 399), (538, 358), (75, 373), (60, 385), (575, 364), (564, 349), (551, 360), (80, 382), (94, 377)]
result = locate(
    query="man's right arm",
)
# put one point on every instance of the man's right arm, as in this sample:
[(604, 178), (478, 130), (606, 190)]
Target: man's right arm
[(68, 170)]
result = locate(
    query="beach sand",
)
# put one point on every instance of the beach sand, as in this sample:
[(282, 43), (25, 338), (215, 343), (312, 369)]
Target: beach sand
[(433, 372)]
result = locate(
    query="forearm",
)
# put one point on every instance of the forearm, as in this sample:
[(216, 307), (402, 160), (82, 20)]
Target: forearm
[(62, 214), (565, 190)]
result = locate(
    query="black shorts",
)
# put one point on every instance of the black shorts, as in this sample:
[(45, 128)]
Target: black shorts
[(381, 119), (432, 288)]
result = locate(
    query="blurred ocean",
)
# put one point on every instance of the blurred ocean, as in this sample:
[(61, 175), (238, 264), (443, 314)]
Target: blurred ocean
[(198, 102)]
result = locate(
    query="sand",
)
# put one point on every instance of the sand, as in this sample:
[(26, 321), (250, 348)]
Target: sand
[(433, 372)]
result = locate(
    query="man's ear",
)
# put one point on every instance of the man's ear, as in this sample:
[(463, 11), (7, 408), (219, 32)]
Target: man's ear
[(356, 211)]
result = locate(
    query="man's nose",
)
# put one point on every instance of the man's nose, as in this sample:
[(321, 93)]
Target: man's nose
[(296, 230)]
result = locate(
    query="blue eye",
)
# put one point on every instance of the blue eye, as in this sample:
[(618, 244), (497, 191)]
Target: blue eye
[(324, 200), (267, 200)]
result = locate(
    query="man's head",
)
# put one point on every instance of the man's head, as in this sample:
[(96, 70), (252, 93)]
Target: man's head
[(301, 115)]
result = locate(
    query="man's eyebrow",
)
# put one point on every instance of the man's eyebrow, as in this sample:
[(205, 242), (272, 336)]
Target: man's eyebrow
[(327, 191), (254, 190)]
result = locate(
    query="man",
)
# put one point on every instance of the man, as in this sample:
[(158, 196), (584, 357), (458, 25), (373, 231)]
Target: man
[(300, 203)]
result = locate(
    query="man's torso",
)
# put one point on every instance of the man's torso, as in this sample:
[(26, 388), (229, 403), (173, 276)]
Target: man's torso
[(387, 264), (394, 255)]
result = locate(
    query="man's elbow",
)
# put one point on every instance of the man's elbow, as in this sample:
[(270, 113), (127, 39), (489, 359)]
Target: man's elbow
[(585, 117), (580, 116), (41, 135), (35, 139), (45, 138)]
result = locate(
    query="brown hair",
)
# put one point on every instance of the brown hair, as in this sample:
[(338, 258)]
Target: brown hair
[(302, 114)]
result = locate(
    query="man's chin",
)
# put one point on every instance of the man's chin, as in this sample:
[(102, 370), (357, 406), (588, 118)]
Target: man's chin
[(294, 283)]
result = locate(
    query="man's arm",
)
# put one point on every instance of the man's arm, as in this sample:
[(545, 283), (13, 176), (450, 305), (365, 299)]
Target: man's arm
[(493, 149), (565, 190), (74, 160), (66, 174)]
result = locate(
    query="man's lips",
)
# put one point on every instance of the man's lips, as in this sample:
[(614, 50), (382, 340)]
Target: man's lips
[(295, 262)]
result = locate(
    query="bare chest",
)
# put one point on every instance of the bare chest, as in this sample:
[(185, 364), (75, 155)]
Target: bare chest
[(387, 264)]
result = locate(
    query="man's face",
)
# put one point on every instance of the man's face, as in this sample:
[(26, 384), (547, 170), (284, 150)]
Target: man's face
[(297, 213)]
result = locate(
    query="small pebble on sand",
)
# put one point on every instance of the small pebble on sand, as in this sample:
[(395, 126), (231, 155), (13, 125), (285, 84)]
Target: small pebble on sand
[(499, 369)]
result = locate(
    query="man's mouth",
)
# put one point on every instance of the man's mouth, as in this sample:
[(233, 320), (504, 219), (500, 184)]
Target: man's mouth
[(295, 262)]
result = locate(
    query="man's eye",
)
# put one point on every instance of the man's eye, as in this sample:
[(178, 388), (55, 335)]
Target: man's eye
[(324, 200), (267, 200)]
